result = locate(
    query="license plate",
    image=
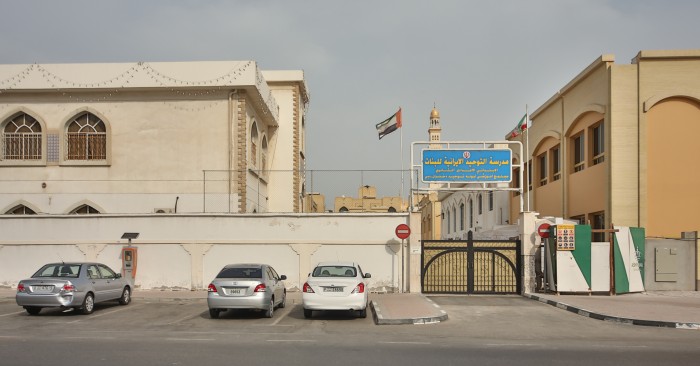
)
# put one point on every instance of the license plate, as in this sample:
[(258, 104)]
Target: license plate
[(42, 288), (332, 289), (235, 291)]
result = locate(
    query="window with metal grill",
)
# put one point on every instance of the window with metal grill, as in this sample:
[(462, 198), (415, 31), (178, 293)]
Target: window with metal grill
[(86, 138), (579, 152), (598, 132), (21, 138), (555, 163), (543, 168)]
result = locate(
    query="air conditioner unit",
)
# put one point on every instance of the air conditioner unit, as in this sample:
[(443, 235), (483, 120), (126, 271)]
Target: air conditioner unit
[(163, 210)]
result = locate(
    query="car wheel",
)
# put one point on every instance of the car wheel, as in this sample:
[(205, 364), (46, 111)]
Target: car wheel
[(126, 297), (214, 313), (88, 304), (307, 313), (284, 300), (271, 309), (362, 313), (32, 310)]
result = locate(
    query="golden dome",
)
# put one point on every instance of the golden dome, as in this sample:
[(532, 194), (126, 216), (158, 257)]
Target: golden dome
[(434, 113)]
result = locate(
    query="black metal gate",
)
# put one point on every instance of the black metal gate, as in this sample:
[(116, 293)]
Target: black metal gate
[(471, 267)]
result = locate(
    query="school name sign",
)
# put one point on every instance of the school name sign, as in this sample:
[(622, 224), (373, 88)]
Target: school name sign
[(467, 166)]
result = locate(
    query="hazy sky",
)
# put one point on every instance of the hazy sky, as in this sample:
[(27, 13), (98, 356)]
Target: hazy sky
[(480, 62)]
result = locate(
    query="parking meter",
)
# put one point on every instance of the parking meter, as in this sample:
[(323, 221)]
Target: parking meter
[(129, 256)]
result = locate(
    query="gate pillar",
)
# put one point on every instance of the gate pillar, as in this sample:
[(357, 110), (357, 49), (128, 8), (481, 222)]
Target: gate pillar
[(529, 241)]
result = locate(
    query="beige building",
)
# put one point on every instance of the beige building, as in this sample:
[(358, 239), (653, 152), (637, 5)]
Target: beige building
[(167, 137), (367, 201), (314, 203), (617, 145)]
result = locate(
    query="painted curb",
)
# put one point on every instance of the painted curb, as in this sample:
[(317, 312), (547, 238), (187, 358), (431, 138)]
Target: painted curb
[(379, 318), (616, 319)]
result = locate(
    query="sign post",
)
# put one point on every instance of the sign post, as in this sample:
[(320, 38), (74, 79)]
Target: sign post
[(402, 232)]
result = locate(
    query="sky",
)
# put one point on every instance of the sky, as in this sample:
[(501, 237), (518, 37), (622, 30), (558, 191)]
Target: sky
[(479, 62)]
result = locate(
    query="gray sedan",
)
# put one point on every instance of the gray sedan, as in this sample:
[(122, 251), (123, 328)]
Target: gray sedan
[(76, 285), (247, 286)]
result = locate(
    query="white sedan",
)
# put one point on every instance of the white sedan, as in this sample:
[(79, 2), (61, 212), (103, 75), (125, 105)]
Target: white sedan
[(336, 286)]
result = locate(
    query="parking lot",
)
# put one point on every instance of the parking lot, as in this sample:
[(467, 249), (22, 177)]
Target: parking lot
[(180, 331)]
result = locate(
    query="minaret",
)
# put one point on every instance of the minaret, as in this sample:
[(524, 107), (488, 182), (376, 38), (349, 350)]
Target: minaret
[(435, 130)]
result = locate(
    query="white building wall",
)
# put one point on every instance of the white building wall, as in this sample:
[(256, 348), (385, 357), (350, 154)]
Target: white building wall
[(282, 158), (186, 251)]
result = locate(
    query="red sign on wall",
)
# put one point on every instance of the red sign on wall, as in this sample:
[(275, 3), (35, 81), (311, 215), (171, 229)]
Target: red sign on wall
[(403, 231)]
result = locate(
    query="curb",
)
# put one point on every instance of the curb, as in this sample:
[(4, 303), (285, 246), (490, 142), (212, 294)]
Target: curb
[(379, 318), (616, 319)]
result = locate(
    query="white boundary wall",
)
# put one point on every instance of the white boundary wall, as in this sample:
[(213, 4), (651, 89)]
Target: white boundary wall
[(187, 251)]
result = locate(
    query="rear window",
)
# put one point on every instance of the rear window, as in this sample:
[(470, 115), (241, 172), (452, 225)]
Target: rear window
[(240, 272), (58, 270), (335, 271)]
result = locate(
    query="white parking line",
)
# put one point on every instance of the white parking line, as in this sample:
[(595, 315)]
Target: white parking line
[(93, 316), (189, 339), (279, 318), (183, 319), (19, 312), (291, 340)]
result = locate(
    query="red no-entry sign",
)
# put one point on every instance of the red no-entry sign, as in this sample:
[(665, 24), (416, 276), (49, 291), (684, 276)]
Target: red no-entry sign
[(543, 230), (403, 231)]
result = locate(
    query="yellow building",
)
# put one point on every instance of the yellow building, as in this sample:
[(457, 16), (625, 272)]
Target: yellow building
[(367, 201), (617, 145), (314, 203)]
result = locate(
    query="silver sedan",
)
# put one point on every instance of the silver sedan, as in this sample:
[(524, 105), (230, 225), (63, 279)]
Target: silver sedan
[(247, 286), (78, 285)]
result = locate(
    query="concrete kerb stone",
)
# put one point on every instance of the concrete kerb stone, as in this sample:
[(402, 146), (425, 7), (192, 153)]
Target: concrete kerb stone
[(381, 319), (615, 319)]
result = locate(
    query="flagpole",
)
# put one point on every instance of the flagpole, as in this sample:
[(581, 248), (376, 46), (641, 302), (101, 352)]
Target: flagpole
[(403, 273), (401, 128), (527, 155)]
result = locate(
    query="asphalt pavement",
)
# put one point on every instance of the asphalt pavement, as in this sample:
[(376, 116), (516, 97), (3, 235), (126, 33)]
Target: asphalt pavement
[(673, 309)]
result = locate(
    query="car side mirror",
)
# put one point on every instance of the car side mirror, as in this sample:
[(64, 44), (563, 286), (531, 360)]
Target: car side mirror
[(283, 277), (119, 275), (367, 275)]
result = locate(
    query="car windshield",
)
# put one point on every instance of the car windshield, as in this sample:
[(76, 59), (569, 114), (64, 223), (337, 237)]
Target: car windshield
[(240, 272), (58, 270), (335, 271)]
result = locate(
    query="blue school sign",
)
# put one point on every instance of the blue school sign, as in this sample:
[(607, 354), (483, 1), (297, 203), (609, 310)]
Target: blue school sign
[(467, 166)]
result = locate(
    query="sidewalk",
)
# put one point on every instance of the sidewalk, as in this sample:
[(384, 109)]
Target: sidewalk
[(390, 309), (673, 309)]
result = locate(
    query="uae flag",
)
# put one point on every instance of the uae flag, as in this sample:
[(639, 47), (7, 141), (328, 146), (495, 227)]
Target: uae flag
[(522, 126), (389, 125)]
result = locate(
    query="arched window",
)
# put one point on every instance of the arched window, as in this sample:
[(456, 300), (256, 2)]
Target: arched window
[(263, 157), (392, 209), (448, 221), (85, 210), (343, 209), (461, 216), (254, 144), (454, 218), (471, 213), (20, 210), (480, 203), (86, 138), (21, 138)]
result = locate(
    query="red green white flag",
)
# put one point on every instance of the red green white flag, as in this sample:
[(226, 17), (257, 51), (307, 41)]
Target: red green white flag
[(389, 125)]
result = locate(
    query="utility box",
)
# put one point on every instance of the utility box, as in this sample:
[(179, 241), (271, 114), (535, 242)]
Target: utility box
[(666, 264)]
